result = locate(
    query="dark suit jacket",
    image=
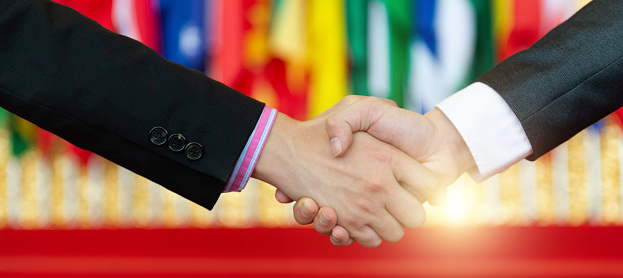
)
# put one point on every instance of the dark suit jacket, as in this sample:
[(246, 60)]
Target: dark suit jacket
[(105, 93), (569, 79)]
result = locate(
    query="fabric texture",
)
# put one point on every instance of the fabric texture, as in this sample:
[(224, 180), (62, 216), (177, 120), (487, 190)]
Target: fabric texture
[(569, 79), (105, 92), (489, 127)]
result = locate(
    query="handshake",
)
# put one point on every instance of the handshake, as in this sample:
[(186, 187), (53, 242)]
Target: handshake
[(362, 169)]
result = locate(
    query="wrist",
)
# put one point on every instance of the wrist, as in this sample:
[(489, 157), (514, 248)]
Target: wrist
[(271, 160), (450, 139)]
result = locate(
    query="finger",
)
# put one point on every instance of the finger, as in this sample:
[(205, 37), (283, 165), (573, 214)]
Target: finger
[(390, 102), (358, 116), (325, 220), (415, 177), (305, 211), (407, 209), (344, 102), (366, 236), (340, 237), (282, 197), (438, 196), (387, 227), (418, 185)]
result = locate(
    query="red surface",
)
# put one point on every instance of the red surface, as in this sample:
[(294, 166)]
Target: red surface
[(464, 252)]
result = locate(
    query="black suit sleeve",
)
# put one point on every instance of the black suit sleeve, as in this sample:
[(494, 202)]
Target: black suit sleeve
[(105, 92), (569, 79)]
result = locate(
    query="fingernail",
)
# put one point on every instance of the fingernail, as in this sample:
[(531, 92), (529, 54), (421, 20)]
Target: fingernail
[(336, 146), (334, 237), (326, 219), (307, 211)]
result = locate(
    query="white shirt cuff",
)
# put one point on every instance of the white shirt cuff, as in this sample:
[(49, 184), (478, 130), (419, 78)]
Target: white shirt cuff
[(491, 130)]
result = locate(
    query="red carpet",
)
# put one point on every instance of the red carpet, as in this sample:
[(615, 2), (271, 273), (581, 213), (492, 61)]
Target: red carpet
[(432, 252)]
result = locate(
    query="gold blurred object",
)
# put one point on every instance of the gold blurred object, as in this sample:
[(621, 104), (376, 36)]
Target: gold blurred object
[(546, 213), (169, 209), (510, 194), (475, 208), (611, 199), (272, 213), (200, 217), (56, 192), (83, 188), (111, 194), (71, 201), (29, 192), (578, 193), (256, 46), (4, 158), (232, 211), (140, 209)]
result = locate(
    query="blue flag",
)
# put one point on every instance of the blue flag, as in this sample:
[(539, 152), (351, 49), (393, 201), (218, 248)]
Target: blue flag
[(184, 32)]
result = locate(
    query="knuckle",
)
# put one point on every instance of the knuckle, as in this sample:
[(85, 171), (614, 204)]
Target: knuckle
[(396, 235), (417, 221), (429, 185), (380, 154), (321, 228), (377, 186), (364, 206), (372, 243), (350, 99), (332, 122), (301, 220), (349, 223), (376, 102)]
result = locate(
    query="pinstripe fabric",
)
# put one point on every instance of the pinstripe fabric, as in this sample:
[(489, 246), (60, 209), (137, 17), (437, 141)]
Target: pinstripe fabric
[(104, 92), (572, 75)]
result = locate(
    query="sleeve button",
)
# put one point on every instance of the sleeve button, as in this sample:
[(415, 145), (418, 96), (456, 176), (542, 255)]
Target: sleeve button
[(158, 135), (194, 151), (177, 142)]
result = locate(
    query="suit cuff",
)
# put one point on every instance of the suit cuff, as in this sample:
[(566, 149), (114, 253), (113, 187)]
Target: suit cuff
[(489, 127), (248, 158)]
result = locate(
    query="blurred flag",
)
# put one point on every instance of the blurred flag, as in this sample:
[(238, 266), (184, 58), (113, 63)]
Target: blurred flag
[(357, 23), (442, 52), (23, 134), (399, 15), (526, 27), (98, 10), (288, 68), (184, 32), (484, 54), (226, 29), (327, 46), (378, 49), (138, 19)]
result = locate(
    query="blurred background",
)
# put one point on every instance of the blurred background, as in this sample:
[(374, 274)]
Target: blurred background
[(301, 57)]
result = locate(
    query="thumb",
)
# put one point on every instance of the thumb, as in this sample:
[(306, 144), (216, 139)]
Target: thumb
[(282, 197), (357, 116)]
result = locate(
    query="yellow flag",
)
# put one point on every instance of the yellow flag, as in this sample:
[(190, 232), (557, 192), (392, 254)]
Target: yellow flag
[(287, 41), (327, 46)]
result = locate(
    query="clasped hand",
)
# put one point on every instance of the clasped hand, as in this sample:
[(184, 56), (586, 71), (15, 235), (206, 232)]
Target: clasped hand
[(361, 170)]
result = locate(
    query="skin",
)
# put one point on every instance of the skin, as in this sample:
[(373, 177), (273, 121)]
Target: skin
[(365, 186), (431, 139)]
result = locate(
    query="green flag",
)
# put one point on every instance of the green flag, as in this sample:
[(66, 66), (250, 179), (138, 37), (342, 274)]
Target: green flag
[(399, 15), (484, 55), (357, 23)]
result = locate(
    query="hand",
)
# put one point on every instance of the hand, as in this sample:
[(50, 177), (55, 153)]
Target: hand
[(363, 186), (325, 219), (430, 139)]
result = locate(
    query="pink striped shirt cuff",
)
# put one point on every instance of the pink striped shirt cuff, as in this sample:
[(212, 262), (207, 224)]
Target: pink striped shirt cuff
[(248, 158)]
